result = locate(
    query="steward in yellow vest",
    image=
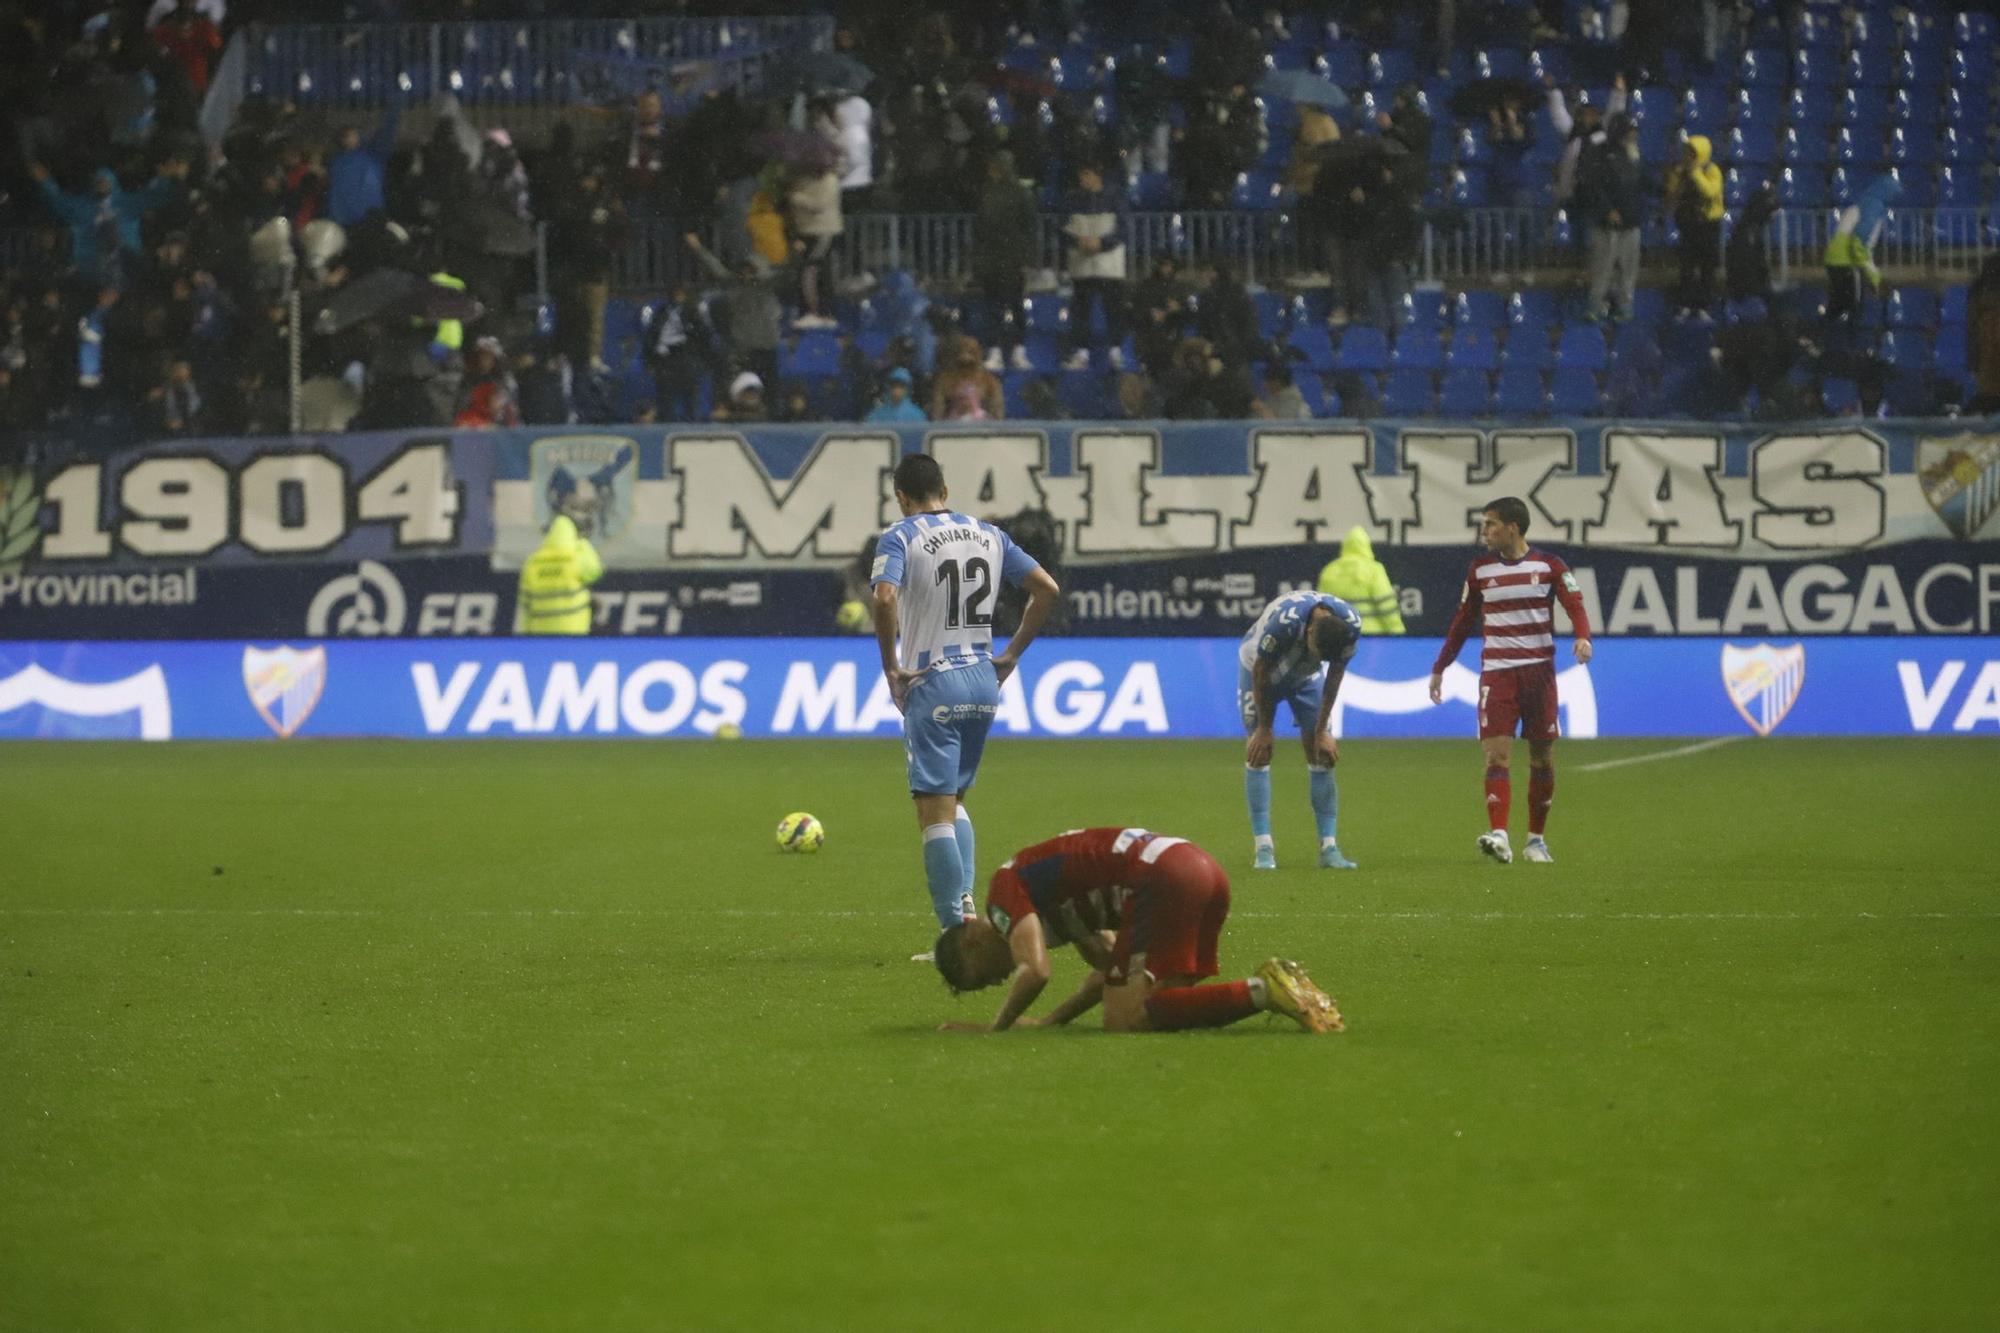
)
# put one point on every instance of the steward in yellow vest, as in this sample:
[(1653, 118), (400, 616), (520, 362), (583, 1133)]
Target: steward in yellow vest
[(555, 583), (1358, 579)]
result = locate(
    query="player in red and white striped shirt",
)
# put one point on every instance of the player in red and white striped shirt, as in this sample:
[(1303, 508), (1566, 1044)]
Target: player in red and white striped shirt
[(1511, 594)]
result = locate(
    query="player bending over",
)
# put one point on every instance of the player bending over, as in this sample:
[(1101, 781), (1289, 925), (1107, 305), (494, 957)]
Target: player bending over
[(1511, 593), (1145, 911), (1296, 651)]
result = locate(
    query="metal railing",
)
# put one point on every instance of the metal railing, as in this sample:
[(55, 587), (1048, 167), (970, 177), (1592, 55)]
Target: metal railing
[(1271, 248), (556, 62)]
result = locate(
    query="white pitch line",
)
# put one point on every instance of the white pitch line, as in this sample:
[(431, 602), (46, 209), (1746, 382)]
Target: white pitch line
[(1711, 744)]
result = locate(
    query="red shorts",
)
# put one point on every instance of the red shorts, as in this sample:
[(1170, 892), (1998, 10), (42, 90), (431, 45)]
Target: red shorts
[(1523, 697), (1173, 917)]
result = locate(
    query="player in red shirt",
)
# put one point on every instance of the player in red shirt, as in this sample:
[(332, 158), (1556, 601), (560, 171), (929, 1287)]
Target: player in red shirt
[(1511, 595), (1145, 911)]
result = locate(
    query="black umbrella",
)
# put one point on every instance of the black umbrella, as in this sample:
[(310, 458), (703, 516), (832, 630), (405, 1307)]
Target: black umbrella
[(493, 229), (820, 71), (393, 293), (1474, 100)]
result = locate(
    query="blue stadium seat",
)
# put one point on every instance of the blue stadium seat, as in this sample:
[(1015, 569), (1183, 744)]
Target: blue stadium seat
[(1549, 62), (1470, 149), (1658, 139), (1311, 339), (1362, 347), (1465, 393), (1343, 63), (1391, 68), (1813, 70), (1956, 147), (1919, 189), (1528, 349), (1318, 401), (1914, 151), (813, 355), (1811, 110), (1703, 114), (1970, 67), (1687, 340), (1871, 67), (1045, 352), (1536, 309), (1153, 192), (1820, 31), (1949, 353), (1863, 110), (1649, 306), (1478, 309), (1805, 147), (1757, 107), (1958, 187), (1270, 313), (1749, 310), (1737, 184), (1968, 111), (1257, 191), (1762, 68), (1753, 145), (1472, 349), (1562, 234), (1520, 393), (1418, 349), (1574, 392), (1972, 28), (1409, 393), (1952, 306), (1048, 312), (1927, 67), (1468, 188), (1500, 63), (1842, 397), (1420, 311), (1907, 349), (1920, 108), (1856, 147), (1582, 348), (1841, 186)]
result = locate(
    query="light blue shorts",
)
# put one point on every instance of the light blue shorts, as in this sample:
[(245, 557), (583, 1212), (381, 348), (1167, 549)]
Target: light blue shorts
[(945, 721), (1304, 701)]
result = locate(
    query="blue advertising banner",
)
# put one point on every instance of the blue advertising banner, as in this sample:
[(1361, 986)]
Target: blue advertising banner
[(1075, 688)]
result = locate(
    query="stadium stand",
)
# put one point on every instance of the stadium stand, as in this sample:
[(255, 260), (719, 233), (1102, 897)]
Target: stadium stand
[(300, 218)]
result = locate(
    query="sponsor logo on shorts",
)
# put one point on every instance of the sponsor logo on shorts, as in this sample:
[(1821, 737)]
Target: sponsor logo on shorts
[(1763, 682), (946, 714)]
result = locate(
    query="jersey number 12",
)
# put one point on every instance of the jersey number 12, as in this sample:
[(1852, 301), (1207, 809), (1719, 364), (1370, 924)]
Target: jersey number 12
[(974, 583)]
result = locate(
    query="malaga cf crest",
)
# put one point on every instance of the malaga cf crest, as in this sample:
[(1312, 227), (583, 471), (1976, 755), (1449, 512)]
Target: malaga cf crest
[(284, 684), (587, 477), (1763, 682), (1961, 479)]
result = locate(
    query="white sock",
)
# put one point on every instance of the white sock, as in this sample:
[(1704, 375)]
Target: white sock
[(1263, 841), (1325, 843), (1260, 995)]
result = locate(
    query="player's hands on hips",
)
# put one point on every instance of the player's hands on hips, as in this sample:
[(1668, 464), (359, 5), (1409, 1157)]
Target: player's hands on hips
[(1257, 750), (900, 681), (1437, 687), (1583, 650), (1003, 666)]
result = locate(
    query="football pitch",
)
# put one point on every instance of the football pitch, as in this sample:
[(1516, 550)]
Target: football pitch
[(519, 1036)]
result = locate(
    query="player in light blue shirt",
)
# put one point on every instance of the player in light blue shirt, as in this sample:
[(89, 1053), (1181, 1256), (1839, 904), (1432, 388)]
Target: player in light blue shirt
[(1295, 652), (936, 577)]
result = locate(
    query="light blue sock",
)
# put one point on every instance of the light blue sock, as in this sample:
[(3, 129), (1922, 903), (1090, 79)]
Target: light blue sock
[(942, 873), (963, 828), (1326, 804), (1257, 791)]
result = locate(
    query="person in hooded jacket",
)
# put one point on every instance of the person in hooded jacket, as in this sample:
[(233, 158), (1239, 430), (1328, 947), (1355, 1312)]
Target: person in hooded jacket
[(1694, 198), (1356, 577), (1746, 267), (104, 225), (1850, 255)]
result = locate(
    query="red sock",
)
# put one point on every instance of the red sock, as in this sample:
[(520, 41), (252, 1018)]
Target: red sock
[(1541, 794), (1199, 1006), (1499, 797)]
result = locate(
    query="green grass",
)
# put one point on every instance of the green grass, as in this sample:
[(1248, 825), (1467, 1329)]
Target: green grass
[(525, 1036)]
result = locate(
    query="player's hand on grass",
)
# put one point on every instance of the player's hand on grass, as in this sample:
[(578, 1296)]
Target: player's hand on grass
[(964, 1027), (1437, 687), (1257, 750), (1583, 650)]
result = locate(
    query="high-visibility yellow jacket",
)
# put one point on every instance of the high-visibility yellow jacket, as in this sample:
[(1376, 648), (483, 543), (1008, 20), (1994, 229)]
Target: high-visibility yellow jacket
[(1358, 579), (450, 332), (555, 583)]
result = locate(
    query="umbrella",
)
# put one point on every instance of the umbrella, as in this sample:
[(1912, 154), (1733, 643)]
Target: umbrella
[(818, 71), (1474, 100), (801, 150), (494, 229), (389, 292), (1303, 87)]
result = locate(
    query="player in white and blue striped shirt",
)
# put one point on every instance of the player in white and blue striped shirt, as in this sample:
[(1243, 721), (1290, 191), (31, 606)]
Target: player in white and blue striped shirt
[(936, 577), (1295, 652)]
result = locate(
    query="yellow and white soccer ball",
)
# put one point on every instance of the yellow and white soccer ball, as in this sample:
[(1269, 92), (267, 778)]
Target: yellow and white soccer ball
[(800, 832)]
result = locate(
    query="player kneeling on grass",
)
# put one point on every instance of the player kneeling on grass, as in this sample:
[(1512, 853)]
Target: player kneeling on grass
[(1145, 911)]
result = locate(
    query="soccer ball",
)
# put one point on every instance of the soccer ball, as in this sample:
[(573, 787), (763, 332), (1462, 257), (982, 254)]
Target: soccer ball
[(800, 832)]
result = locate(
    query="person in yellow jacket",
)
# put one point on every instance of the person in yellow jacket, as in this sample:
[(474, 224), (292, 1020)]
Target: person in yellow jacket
[(1357, 578), (555, 583), (1694, 198)]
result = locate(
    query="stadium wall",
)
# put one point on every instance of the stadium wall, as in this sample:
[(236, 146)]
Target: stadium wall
[(814, 687)]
